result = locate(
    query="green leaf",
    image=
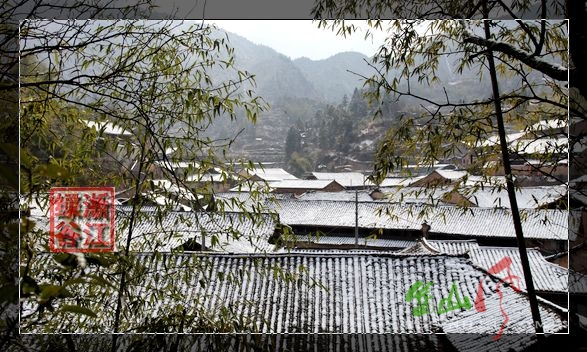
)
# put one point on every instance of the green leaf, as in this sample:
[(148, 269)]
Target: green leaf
[(53, 291), (52, 171), (100, 280), (78, 310)]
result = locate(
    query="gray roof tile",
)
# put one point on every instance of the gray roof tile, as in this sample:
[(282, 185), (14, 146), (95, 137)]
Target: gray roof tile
[(472, 222), (334, 293), (547, 277), (234, 232)]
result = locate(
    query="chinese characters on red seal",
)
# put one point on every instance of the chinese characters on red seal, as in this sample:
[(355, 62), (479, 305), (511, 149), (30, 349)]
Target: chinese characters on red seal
[(81, 219)]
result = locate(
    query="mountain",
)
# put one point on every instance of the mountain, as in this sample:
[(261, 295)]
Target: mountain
[(278, 77), (337, 75)]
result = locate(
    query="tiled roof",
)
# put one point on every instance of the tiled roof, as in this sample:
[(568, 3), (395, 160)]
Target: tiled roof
[(325, 293), (346, 179), (494, 140), (271, 174), (452, 174), (472, 222), (421, 247), (453, 246), (399, 181), (362, 196), (486, 197), (239, 201), (526, 197), (541, 145), (301, 184), (227, 232), (232, 232), (107, 127), (363, 241), (415, 195), (547, 277)]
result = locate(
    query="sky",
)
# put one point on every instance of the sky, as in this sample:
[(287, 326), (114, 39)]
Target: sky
[(302, 38)]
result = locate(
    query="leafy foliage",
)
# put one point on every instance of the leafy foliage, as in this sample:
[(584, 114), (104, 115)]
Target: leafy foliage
[(118, 103)]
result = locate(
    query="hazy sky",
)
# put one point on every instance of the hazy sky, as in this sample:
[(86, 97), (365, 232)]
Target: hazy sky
[(298, 38)]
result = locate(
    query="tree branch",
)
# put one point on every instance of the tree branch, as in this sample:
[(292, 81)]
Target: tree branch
[(555, 72)]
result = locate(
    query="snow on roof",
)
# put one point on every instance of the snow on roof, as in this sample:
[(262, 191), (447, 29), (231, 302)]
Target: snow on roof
[(107, 127), (216, 175), (547, 277), (453, 246), (541, 145), (452, 174), (363, 241), (526, 197), (420, 247), (549, 125), (166, 201), (337, 293), (178, 164), (346, 179), (239, 201), (362, 196), (472, 222), (233, 232), (415, 195), (271, 174), (170, 187), (475, 331), (494, 140), (399, 181), (301, 184)]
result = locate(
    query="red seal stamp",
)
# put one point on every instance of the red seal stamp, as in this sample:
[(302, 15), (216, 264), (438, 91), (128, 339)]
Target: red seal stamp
[(81, 219)]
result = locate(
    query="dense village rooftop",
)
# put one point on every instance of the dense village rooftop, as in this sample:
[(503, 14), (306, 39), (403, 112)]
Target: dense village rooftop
[(313, 293), (471, 222)]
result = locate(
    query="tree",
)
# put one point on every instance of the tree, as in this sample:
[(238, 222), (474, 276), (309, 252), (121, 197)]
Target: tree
[(293, 142), (532, 55), (150, 78), (357, 105)]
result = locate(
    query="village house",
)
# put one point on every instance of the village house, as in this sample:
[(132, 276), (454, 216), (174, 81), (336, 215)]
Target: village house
[(327, 293), (544, 228), (349, 180), (298, 187)]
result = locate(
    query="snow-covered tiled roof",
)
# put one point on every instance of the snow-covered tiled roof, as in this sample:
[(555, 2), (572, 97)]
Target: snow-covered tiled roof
[(494, 140), (545, 125), (225, 232), (453, 246), (472, 222), (526, 197), (547, 277), (239, 201), (271, 174), (301, 184), (362, 196), (309, 293), (420, 247), (399, 181), (452, 174), (346, 179), (107, 127), (541, 145), (363, 241), (475, 331), (415, 195), (174, 165), (229, 232)]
